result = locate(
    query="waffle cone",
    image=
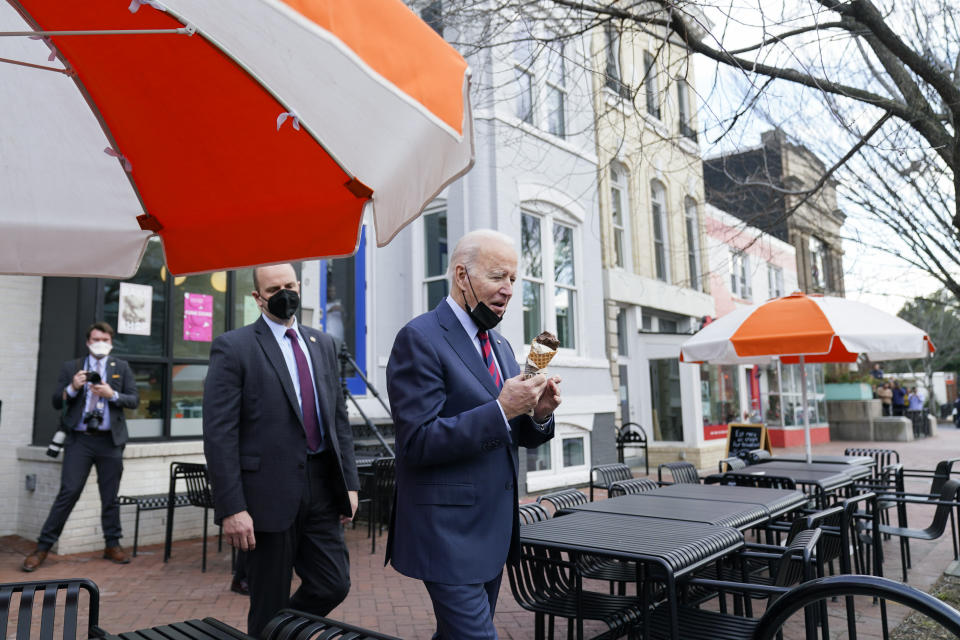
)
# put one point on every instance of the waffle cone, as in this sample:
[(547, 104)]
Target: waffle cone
[(537, 362)]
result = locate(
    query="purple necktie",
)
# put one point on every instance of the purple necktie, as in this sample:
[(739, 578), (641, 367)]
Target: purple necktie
[(488, 358), (311, 424)]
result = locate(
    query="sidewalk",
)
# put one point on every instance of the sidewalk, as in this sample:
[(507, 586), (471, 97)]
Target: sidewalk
[(148, 592)]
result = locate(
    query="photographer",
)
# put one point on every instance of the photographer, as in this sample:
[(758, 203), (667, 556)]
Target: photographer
[(92, 393)]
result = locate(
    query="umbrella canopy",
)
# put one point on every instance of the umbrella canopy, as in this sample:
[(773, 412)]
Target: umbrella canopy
[(804, 329), (241, 132), (819, 328)]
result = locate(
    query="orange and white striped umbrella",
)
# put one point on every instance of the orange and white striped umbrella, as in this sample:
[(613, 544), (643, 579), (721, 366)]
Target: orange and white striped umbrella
[(241, 132), (819, 328)]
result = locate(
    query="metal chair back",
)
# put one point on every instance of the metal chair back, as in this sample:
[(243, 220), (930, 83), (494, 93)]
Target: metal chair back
[(298, 625), (381, 505), (604, 474), (632, 486), (533, 512), (758, 455), (732, 463), (194, 475), (882, 458), (563, 499), (632, 435), (50, 612), (680, 473)]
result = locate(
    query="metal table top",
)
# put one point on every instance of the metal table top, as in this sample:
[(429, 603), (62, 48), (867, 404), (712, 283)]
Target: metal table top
[(864, 460), (823, 480), (725, 514), (676, 546), (855, 471), (776, 501)]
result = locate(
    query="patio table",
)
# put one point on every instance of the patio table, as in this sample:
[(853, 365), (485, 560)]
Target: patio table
[(726, 514), (855, 471), (668, 548), (776, 501), (821, 479), (823, 459)]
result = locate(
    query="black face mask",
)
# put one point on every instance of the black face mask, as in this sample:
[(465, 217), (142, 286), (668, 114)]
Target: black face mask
[(284, 303), (481, 314)]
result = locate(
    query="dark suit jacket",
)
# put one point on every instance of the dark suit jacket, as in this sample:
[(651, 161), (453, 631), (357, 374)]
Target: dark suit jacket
[(253, 434), (455, 512), (118, 376)]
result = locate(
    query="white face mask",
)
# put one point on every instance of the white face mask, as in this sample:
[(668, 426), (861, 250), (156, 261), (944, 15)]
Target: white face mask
[(99, 349)]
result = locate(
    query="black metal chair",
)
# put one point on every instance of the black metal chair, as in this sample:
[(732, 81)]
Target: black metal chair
[(632, 486), (199, 494), (750, 480), (946, 504), (290, 624), (792, 565), (680, 473), (732, 463), (384, 483), (550, 585), (757, 456), (50, 612), (633, 436), (601, 476)]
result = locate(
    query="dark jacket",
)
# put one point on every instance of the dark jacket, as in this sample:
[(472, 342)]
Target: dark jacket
[(119, 376), (253, 433)]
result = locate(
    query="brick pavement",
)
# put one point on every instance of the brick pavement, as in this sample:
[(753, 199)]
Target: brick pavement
[(148, 592)]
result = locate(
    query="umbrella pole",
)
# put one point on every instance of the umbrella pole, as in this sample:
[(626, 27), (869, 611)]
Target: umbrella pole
[(806, 412)]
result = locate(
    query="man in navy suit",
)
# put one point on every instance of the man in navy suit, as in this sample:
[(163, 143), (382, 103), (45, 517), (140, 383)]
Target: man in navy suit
[(279, 452), (461, 409)]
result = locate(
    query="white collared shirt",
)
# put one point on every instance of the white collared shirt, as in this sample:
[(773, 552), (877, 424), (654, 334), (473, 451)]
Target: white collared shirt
[(279, 333), (472, 329)]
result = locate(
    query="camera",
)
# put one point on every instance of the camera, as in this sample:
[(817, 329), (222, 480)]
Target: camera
[(93, 419), (56, 444), (93, 377)]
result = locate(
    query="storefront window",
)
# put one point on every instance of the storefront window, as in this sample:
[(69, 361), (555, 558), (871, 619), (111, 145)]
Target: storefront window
[(199, 313), (539, 459), (720, 393), (792, 394), (142, 301), (573, 452), (186, 400), (146, 421), (342, 297), (667, 402)]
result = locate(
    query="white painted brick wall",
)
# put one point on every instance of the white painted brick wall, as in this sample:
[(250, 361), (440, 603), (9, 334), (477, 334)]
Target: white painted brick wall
[(146, 470), (20, 328)]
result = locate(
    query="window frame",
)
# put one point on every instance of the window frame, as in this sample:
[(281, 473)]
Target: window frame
[(661, 245), (355, 383), (774, 281), (436, 208), (740, 284), (651, 85), (620, 183), (556, 86), (557, 474), (683, 108), (691, 215), (613, 68), (548, 220)]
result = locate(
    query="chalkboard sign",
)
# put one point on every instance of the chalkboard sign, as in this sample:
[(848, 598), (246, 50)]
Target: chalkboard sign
[(744, 438)]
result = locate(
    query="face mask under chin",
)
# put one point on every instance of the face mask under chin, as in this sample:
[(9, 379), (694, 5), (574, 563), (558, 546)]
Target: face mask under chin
[(482, 315)]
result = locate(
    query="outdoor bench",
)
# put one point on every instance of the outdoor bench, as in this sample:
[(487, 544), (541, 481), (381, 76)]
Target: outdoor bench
[(151, 502)]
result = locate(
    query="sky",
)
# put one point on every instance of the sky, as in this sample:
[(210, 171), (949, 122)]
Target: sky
[(870, 276)]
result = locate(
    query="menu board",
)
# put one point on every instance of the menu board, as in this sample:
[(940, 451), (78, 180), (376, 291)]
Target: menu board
[(744, 438)]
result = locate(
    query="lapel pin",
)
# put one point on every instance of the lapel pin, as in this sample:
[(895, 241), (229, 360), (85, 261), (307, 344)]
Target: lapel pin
[(498, 341), (113, 364), (312, 339)]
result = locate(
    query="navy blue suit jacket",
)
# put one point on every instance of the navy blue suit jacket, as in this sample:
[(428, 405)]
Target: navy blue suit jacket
[(120, 378), (455, 508), (253, 434)]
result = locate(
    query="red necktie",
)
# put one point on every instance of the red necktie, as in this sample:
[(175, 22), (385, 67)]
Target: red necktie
[(311, 422), (487, 352)]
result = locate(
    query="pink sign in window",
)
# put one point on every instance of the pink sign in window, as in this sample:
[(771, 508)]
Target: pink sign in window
[(197, 317)]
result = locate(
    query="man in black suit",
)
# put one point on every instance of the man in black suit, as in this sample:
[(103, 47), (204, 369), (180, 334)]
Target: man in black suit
[(91, 393), (280, 453)]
